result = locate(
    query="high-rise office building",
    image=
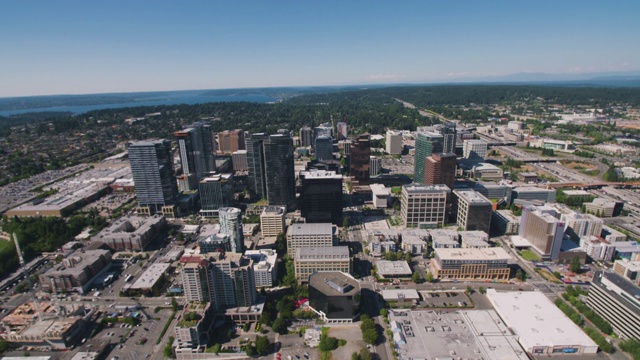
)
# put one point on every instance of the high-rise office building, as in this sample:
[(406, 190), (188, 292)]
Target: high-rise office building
[(324, 148), (216, 191), (581, 225), (153, 176), (325, 129), (448, 132), (231, 224), (440, 169), (306, 136), (424, 204), (255, 162), (196, 149), (375, 165), (310, 235), (474, 149), (342, 130), (230, 141), (359, 159), (239, 161), (279, 170), (321, 196), (197, 274), (186, 148), (427, 143), (540, 227), (474, 210), (394, 142), (310, 260)]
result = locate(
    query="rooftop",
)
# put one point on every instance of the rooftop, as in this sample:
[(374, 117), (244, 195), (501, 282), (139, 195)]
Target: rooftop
[(322, 253), (379, 190), (273, 210), (395, 268), (310, 229), (334, 283), (472, 197), (400, 294), (487, 254), (77, 262), (536, 320), (619, 288), (320, 174), (150, 276), (418, 188)]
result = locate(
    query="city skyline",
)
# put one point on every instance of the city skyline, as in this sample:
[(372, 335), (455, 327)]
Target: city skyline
[(71, 48)]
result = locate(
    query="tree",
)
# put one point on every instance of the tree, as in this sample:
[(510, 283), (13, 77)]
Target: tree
[(365, 355), (575, 264), (469, 290), (345, 222), (428, 277), (279, 326), (328, 343), (416, 278), (368, 328), (384, 312), (168, 349), (174, 304), (482, 290), (521, 275), (262, 345)]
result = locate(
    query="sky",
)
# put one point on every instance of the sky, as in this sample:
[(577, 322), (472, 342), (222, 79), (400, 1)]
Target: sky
[(80, 47)]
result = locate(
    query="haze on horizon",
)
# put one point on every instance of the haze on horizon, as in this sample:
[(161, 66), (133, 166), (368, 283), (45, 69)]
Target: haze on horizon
[(76, 47)]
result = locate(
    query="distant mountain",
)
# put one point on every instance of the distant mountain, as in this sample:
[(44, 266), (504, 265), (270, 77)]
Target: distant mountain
[(613, 79)]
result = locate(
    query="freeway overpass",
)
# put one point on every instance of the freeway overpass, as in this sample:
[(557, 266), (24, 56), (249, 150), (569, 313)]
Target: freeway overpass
[(594, 185)]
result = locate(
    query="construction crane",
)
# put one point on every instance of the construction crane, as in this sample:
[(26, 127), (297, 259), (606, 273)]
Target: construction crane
[(25, 271)]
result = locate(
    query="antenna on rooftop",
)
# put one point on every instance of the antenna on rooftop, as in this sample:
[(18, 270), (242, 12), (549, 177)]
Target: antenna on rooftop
[(25, 271)]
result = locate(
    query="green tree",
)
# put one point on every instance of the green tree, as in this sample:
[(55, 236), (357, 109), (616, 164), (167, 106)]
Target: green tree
[(4, 346), (482, 290), (262, 345), (328, 343), (575, 264), (416, 278), (384, 312), (365, 355), (428, 277), (168, 349), (280, 326), (469, 290), (521, 275), (174, 304), (345, 222)]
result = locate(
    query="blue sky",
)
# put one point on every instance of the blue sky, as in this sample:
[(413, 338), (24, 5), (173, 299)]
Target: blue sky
[(75, 47)]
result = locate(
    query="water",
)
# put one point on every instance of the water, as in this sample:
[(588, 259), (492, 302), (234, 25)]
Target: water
[(187, 98)]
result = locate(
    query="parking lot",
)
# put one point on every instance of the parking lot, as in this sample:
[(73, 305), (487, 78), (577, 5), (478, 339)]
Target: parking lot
[(448, 298)]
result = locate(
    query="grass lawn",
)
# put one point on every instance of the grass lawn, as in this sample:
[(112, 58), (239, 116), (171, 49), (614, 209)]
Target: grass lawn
[(529, 255)]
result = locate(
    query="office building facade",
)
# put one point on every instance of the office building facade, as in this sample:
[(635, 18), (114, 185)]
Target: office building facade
[(310, 235), (474, 149), (306, 136), (342, 130), (310, 260), (239, 161), (216, 191), (440, 169), (230, 141), (375, 166), (321, 196), (394, 142), (424, 204), (617, 301), (323, 148), (540, 227), (152, 171), (468, 264), (272, 221), (231, 224), (427, 143), (279, 170), (255, 161), (359, 159), (474, 210)]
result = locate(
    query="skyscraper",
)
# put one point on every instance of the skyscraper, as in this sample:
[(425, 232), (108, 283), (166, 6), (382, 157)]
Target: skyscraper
[(359, 158), (325, 129), (540, 227), (279, 169), (231, 224), (196, 149), (427, 143), (255, 162), (448, 132), (394, 142), (306, 136), (324, 148), (230, 141), (440, 169), (342, 130), (153, 176), (216, 191), (321, 196)]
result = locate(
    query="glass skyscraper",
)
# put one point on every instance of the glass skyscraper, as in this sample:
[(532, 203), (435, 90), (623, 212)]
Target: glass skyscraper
[(427, 143), (153, 176)]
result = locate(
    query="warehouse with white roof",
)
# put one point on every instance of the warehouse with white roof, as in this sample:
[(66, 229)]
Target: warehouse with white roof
[(541, 327)]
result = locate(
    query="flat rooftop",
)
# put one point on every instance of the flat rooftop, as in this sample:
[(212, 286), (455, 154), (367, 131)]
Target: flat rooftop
[(379, 190), (334, 283), (393, 268), (536, 320), (310, 229), (273, 210), (472, 197), (419, 189), (620, 289), (488, 254), (150, 276), (434, 335), (396, 294), (320, 174), (75, 264), (327, 253)]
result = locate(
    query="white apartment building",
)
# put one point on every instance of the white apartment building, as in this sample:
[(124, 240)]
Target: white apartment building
[(265, 268), (310, 235), (381, 196), (424, 204), (582, 225)]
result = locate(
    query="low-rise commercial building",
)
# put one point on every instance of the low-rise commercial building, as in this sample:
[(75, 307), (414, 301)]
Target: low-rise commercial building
[(480, 264), (542, 328), (377, 247), (474, 239), (310, 260), (444, 238), (612, 235), (617, 301), (151, 279), (335, 296), (474, 210), (310, 235), (630, 270), (414, 243), (528, 193), (503, 222), (75, 272), (381, 196), (393, 269), (604, 207), (131, 232)]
